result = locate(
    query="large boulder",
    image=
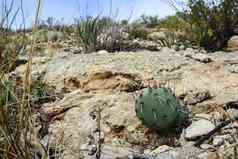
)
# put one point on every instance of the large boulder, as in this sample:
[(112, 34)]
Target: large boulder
[(232, 44), (109, 81)]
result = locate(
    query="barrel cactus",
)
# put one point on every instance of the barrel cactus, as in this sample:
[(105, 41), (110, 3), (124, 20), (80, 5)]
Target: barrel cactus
[(160, 109)]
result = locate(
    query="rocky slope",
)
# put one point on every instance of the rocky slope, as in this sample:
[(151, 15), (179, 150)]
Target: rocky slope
[(105, 84)]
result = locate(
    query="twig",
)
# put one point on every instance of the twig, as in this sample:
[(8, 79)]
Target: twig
[(217, 128), (99, 149)]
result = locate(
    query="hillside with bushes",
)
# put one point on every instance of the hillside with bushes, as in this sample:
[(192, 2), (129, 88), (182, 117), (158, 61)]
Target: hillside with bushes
[(102, 88)]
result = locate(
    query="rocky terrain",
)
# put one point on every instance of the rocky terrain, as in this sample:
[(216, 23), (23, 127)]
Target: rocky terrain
[(97, 109)]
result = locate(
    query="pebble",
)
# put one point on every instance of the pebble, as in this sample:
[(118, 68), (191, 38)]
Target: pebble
[(199, 128), (218, 140), (233, 113)]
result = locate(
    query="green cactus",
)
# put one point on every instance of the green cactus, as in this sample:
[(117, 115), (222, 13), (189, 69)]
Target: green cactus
[(160, 109)]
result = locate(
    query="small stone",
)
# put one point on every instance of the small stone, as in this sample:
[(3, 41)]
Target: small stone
[(206, 146), (102, 52), (76, 50), (147, 151), (218, 140), (181, 47), (233, 113), (131, 128), (199, 128), (203, 155)]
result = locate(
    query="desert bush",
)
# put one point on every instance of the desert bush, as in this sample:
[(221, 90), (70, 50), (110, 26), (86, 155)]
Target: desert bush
[(174, 40), (138, 32), (173, 23), (211, 22)]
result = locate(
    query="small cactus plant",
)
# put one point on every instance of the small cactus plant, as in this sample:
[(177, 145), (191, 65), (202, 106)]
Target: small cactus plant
[(160, 109)]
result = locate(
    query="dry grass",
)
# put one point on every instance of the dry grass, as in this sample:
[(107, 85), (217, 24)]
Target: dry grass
[(17, 136)]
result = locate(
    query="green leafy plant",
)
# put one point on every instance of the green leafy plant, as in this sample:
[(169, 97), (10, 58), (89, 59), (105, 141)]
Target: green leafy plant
[(212, 23), (160, 109), (6, 93), (40, 90)]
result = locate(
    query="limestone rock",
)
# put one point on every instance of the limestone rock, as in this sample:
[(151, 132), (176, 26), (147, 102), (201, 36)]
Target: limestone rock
[(196, 96)]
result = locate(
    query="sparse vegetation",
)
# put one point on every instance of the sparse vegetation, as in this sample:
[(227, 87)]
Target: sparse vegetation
[(138, 32), (148, 21), (16, 131), (173, 22), (97, 33), (211, 23), (87, 32), (25, 124)]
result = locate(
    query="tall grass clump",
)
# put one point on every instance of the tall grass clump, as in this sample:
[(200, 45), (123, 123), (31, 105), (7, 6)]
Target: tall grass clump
[(10, 45), (87, 31), (17, 136), (98, 33)]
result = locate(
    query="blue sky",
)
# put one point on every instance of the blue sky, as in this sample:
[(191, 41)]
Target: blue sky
[(120, 9)]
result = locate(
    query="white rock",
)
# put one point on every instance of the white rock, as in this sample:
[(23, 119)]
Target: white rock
[(102, 52), (233, 112), (199, 128), (206, 146), (218, 140), (204, 155), (233, 44)]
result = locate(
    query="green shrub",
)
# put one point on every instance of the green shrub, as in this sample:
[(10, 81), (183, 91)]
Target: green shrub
[(138, 32), (173, 23), (212, 24)]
